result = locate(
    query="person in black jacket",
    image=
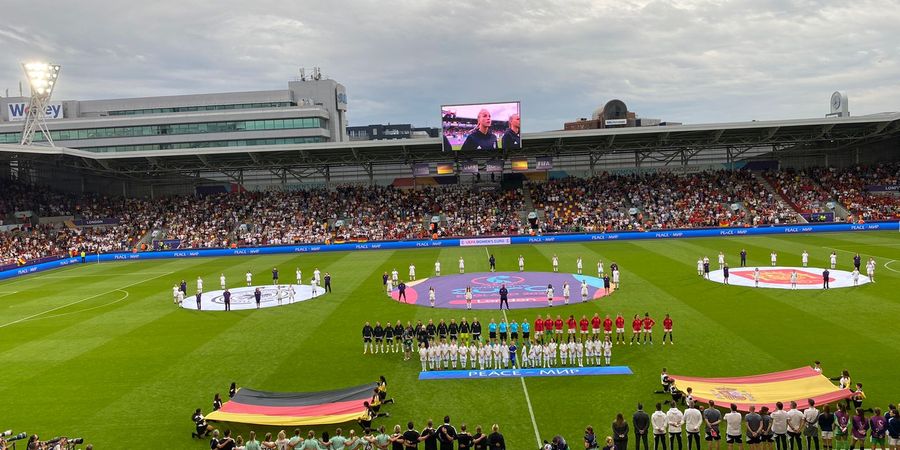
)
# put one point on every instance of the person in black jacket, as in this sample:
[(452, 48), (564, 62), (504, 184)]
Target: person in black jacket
[(495, 439), (620, 432), (641, 422)]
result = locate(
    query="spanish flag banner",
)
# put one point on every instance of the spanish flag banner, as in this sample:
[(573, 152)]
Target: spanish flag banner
[(294, 408), (764, 390)]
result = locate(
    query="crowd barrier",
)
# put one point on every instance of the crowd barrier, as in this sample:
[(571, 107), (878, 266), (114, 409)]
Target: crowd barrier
[(457, 242)]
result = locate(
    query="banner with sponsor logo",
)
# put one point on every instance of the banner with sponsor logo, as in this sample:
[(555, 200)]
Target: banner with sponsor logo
[(883, 188), (420, 170), (16, 112), (469, 167), (484, 241), (97, 222), (544, 163), (494, 165)]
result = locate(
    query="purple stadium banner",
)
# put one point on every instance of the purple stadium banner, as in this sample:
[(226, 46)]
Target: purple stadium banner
[(883, 188), (469, 167), (494, 165), (420, 170), (544, 163)]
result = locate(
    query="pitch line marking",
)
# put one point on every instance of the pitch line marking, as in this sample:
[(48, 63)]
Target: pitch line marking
[(79, 301), (537, 434), (887, 266), (86, 309)]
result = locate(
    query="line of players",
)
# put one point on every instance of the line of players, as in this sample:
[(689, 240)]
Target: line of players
[(447, 344), (179, 291), (703, 263)]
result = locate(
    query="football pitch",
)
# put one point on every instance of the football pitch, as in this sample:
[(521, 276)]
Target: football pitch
[(99, 350)]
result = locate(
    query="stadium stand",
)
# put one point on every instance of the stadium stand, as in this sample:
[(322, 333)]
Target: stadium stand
[(369, 213)]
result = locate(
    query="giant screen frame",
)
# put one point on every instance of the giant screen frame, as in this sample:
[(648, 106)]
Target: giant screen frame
[(481, 126)]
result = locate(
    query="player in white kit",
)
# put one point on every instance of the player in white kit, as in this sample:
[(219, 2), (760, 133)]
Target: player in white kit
[(314, 283), (431, 296), (200, 285), (555, 263), (462, 265), (550, 295), (537, 354), (615, 279), (423, 357), (554, 356), (222, 281), (463, 356), (564, 354), (249, 278), (482, 355), (179, 297), (578, 265), (804, 258), (600, 269), (412, 272), (454, 354), (700, 266), (437, 268), (504, 355), (774, 258), (468, 297), (870, 269), (395, 276), (299, 274), (525, 356), (794, 279), (756, 277), (833, 259), (473, 355), (584, 291), (855, 276), (317, 275), (521, 263), (389, 286), (566, 292), (607, 350), (721, 260), (175, 292)]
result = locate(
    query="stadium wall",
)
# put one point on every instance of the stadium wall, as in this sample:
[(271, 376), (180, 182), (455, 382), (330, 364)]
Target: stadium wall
[(457, 242)]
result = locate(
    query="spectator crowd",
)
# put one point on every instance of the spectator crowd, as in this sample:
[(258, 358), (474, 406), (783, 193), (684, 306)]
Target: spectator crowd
[(638, 202)]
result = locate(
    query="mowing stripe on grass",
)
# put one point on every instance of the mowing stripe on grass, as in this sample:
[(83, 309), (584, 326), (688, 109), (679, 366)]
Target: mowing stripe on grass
[(79, 301), (537, 434)]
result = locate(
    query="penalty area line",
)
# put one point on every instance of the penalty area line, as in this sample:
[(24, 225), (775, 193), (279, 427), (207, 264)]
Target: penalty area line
[(888, 264), (537, 434)]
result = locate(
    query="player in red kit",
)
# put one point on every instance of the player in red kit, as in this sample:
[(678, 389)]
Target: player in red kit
[(667, 330), (572, 324), (595, 324), (548, 328), (584, 327), (648, 327), (539, 329), (558, 328), (607, 326), (636, 330), (620, 328)]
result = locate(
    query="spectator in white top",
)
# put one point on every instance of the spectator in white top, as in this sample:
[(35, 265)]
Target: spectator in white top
[(733, 421), (795, 426), (780, 426), (660, 422), (692, 421), (676, 419), (811, 416)]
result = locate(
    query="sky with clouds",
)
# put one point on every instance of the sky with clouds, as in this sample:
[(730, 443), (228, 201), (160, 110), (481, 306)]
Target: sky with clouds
[(695, 61)]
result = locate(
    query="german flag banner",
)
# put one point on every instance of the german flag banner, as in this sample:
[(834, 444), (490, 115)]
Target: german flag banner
[(764, 390), (294, 408)]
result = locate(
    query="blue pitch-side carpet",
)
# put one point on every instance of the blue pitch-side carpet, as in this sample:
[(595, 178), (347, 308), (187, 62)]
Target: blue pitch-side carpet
[(515, 373)]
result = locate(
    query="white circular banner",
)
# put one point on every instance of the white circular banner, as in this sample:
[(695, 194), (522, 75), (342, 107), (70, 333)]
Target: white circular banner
[(245, 297), (779, 277)]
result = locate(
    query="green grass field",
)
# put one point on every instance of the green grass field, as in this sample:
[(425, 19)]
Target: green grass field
[(99, 351)]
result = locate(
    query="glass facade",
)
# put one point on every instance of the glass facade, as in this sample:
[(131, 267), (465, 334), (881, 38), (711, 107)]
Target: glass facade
[(205, 144), (171, 129), (178, 109)]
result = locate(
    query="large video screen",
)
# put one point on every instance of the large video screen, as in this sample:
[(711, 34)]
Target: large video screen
[(481, 126)]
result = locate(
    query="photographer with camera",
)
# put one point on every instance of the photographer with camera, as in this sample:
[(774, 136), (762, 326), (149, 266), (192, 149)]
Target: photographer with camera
[(5, 439)]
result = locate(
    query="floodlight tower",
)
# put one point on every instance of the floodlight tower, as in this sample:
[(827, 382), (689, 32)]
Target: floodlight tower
[(42, 79)]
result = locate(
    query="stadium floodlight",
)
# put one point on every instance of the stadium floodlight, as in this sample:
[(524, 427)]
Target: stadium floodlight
[(42, 78)]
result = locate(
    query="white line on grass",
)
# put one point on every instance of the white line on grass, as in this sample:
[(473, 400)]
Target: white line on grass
[(86, 309), (887, 266), (537, 434), (79, 301)]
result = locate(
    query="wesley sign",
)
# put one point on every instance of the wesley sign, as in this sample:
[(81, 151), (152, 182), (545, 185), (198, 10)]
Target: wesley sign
[(18, 111)]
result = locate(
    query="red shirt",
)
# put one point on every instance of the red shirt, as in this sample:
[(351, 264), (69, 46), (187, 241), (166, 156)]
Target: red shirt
[(607, 324), (648, 323), (636, 325), (595, 323), (548, 324), (667, 324), (620, 322), (571, 323), (584, 325), (538, 325), (559, 324)]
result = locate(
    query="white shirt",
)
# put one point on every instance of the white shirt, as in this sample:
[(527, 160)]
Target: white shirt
[(249, 276), (299, 275), (431, 295), (437, 266), (394, 275), (756, 275), (811, 415), (733, 421), (316, 275), (461, 263), (222, 280), (555, 261), (521, 261), (805, 257), (660, 422), (774, 257), (584, 289), (199, 284), (565, 290), (721, 258), (550, 293), (692, 420), (779, 421), (412, 271), (578, 263), (795, 420), (833, 258), (174, 291), (675, 418)]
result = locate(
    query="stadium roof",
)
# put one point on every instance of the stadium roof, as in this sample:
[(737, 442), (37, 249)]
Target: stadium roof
[(677, 143)]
